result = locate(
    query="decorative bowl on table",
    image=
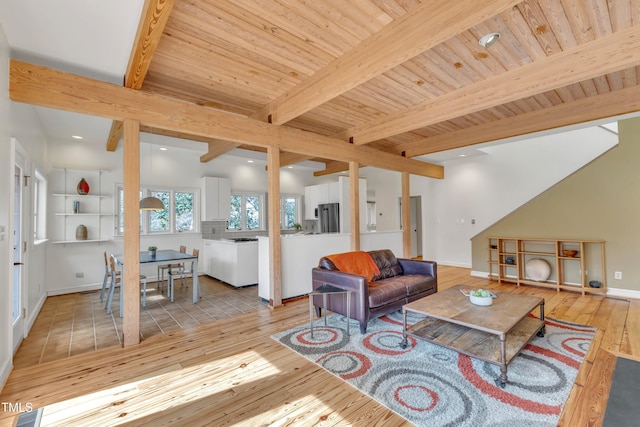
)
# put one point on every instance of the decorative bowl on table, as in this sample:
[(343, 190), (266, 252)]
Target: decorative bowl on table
[(569, 253), (481, 297)]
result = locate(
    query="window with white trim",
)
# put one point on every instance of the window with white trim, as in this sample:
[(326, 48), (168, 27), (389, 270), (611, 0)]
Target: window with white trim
[(39, 207), (180, 213), (289, 211), (246, 211)]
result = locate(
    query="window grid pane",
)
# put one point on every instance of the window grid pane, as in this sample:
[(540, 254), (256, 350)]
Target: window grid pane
[(235, 217), (289, 212), (184, 211), (253, 212), (159, 220)]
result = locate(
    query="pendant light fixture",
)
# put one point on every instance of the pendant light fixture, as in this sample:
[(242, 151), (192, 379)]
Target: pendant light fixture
[(151, 203)]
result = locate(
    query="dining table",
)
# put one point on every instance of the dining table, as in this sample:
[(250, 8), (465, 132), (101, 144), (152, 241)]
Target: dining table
[(164, 256)]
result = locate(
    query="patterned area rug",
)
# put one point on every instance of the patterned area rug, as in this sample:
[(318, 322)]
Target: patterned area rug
[(432, 386)]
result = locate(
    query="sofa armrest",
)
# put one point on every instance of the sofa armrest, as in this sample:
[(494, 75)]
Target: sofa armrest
[(353, 282), (414, 266)]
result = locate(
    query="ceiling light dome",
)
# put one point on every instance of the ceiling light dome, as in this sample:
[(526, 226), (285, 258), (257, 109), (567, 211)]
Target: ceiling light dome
[(489, 40)]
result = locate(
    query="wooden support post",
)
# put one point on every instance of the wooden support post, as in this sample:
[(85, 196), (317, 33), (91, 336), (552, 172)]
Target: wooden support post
[(275, 252), (130, 283), (354, 183), (406, 215)]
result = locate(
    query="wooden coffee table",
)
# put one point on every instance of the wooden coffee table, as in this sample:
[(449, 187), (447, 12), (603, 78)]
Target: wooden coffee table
[(494, 333)]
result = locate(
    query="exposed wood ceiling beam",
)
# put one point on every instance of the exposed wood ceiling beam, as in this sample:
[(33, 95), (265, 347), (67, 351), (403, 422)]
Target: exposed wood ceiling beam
[(154, 17), (332, 166), (287, 159), (597, 107), (605, 55), (45, 87), (217, 148), (428, 25)]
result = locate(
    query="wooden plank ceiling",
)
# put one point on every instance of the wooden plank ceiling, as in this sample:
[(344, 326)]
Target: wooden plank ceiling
[(400, 75)]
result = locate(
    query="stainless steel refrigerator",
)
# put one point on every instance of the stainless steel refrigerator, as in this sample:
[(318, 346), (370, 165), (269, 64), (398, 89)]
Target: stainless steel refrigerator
[(329, 217)]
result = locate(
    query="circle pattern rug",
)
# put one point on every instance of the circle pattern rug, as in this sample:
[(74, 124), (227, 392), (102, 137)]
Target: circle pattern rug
[(430, 385)]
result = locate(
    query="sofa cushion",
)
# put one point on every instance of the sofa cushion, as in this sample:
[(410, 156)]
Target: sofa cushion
[(417, 283), (382, 292), (387, 264)]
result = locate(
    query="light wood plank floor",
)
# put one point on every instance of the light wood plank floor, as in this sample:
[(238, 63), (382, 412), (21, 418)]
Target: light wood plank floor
[(230, 372)]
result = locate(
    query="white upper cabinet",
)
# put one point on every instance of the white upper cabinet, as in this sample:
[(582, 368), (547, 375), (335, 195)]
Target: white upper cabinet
[(318, 194), (216, 195)]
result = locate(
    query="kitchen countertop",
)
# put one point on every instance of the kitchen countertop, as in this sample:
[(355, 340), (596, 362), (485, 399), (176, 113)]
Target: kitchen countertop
[(230, 241)]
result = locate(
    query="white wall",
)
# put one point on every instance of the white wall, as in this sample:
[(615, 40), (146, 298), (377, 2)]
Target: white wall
[(6, 263), (387, 186), (488, 187)]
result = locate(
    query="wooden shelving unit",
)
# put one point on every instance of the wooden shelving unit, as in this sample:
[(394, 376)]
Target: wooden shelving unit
[(508, 257), (94, 213)]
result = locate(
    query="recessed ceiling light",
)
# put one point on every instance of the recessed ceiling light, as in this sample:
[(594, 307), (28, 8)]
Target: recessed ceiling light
[(489, 40), (290, 167), (462, 155), (76, 137), (163, 148), (250, 161)]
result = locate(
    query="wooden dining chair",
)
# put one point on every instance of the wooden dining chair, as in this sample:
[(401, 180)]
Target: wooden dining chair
[(107, 276), (171, 267), (181, 274), (116, 277)]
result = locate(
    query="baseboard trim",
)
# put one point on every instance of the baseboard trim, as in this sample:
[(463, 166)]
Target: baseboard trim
[(7, 366), (481, 274), (611, 292), (623, 293), (454, 264), (75, 289), (87, 288), (34, 314)]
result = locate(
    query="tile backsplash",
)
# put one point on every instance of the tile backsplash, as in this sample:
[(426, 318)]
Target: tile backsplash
[(212, 230)]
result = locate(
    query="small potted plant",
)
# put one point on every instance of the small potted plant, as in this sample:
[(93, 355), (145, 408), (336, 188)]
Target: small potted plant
[(152, 251), (297, 227)]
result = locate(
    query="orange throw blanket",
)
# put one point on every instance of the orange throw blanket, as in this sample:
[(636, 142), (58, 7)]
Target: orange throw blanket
[(357, 263)]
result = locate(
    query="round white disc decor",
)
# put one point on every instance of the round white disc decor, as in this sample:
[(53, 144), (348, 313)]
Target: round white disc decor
[(538, 269)]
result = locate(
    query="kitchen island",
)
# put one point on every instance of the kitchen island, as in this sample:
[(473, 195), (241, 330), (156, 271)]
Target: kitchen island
[(301, 252), (231, 261)]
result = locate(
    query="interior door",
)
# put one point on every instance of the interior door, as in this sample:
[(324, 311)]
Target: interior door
[(416, 226), (19, 248)]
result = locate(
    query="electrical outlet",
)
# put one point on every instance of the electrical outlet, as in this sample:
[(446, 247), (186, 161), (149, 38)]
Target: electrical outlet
[(79, 275), (617, 275)]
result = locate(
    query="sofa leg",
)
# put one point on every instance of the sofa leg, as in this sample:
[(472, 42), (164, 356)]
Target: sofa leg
[(363, 328), (319, 312)]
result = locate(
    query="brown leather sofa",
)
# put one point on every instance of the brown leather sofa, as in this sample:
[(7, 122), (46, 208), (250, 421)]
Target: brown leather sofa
[(399, 282)]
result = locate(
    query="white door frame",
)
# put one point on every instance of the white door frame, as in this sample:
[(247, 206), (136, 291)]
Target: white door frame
[(18, 234)]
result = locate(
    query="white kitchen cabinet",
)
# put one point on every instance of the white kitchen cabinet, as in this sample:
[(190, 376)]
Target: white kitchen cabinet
[(216, 195), (207, 258), (318, 194), (311, 200), (333, 192), (231, 262)]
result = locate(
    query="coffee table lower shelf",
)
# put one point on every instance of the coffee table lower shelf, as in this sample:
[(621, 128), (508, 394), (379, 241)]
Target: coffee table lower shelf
[(476, 343)]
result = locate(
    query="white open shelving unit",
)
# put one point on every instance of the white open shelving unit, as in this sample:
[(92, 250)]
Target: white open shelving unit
[(95, 208)]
